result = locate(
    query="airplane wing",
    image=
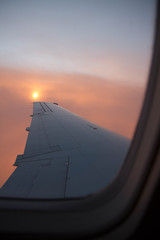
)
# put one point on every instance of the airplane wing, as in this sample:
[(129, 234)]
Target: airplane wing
[(65, 156)]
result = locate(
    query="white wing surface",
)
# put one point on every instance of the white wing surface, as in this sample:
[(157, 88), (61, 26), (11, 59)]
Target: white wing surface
[(65, 156)]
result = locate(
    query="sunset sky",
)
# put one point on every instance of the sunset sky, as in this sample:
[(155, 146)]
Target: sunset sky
[(90, 56)]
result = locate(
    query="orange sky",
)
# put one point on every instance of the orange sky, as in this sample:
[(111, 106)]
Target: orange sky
[(112, 106)]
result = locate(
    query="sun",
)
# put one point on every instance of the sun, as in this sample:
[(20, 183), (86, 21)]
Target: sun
[(35, 95)]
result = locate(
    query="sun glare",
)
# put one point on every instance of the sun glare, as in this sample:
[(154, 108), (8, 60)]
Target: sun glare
[(35, 95)]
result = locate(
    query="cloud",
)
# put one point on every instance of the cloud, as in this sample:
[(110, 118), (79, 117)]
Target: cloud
[(113, 106)]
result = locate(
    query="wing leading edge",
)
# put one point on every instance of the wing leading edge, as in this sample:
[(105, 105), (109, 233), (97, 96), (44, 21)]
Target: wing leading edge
[(65, 156)]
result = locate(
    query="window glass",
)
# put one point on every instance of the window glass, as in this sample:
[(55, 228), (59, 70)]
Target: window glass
[(92, 58)]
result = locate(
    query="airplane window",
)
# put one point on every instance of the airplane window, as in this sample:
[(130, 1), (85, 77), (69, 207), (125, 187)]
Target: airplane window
[(85, 66)]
